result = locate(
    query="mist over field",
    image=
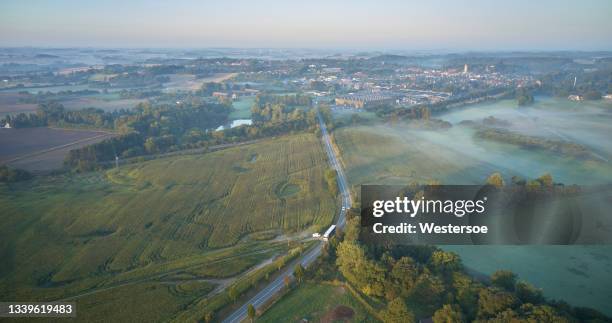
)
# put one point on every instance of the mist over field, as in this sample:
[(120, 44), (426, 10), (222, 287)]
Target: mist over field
[(400, 153)]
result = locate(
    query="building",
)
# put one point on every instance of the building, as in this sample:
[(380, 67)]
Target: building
[(607, 97), (574, 97), (466, 69), (363, 100), (220, 94), (316, 235), (330, 232), (7, 126)]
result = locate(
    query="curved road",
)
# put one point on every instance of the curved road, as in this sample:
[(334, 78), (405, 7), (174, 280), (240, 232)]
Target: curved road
[(276, 285)]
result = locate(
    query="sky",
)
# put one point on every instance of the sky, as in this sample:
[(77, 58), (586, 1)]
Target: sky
[(379, 24)]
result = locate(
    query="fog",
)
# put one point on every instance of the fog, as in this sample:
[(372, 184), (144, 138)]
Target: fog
[(400, 153), (587, 124)]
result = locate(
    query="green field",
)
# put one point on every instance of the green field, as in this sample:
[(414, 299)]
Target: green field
[(242, 108), (201, 216), (317, 303)]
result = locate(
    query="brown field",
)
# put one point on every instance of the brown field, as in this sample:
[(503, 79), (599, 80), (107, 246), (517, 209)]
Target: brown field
[(43, 149), (188, 82), (9, 104)]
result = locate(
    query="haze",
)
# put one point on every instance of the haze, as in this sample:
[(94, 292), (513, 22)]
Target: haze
[(476, 25)]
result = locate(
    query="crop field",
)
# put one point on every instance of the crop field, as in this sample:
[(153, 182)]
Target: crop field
[(67, 235), (43, 149), (317, 303), (100, 103), (10, 105)]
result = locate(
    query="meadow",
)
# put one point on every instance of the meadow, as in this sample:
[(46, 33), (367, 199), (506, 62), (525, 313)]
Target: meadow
[(242, 108), (385, 153), (74, 234), (317, 303)]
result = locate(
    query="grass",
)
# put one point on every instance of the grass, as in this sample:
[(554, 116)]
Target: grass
[(242, 108), (314, 302), (381, 154), (65, 235)]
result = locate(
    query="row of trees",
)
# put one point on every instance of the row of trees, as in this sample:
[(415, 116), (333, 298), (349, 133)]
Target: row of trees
[(436, 285), (11, 175), (53, 113)]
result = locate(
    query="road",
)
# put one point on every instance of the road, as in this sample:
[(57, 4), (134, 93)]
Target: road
[(277, 284)]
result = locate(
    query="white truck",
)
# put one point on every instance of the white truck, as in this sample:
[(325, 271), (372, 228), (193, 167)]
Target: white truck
[(330, 232)]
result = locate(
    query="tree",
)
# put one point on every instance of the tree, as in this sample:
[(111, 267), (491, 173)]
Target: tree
[(232, 292), (448, 314), (208, 317), (445, 262), (332, 182), (466, 295), (504, 279), (546, 180), (404, 273), (251, 312), (524, 97), (365, 274), (533, 186), (352, 228), (492, 301), (298, 272), (496, 180), (287, 281), (527, 293), (150, 145), (397, 311), (428, 291)]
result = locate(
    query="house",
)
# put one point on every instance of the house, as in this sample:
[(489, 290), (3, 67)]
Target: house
[(574, 97), (7, 126), (316, 235)]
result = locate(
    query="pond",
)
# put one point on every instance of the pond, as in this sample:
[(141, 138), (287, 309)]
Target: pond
[(234, 124)]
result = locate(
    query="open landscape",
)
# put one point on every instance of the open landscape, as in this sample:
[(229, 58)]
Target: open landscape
[(399, 153), (197, 204), (287, 161), (44, 149)]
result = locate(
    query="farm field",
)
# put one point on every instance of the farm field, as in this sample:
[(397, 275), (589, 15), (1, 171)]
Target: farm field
[(398, 154), (108, 105), (43, 149), (189, 82), (10, 105), (317, 303), (68, 235)]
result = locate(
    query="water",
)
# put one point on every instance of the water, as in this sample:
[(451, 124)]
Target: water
[(235, 123)]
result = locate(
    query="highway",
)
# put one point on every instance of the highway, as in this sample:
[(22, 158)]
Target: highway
[(277, 284)]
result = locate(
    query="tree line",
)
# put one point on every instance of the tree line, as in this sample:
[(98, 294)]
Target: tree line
[(410, 282)]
